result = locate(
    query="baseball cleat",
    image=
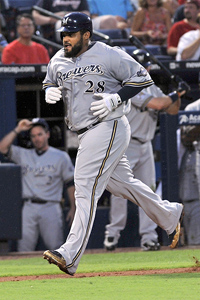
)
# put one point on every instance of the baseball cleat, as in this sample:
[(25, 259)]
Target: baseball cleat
[(54, 257), (176, 234), (109, 243), (151, 246)]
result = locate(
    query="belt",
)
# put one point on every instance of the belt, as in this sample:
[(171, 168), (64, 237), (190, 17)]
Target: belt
[(136, 139), (35, 200), (88, 127)]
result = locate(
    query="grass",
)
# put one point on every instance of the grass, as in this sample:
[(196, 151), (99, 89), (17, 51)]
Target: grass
[(105, 262), (152, 287), (183, 286)]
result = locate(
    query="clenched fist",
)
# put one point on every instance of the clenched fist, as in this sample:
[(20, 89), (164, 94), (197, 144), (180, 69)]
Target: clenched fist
[(53, 94)]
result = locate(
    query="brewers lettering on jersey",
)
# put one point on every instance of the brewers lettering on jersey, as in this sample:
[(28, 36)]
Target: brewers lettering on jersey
[(95, 82)]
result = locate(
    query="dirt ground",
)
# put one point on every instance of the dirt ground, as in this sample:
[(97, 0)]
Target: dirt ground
[(13, 255)]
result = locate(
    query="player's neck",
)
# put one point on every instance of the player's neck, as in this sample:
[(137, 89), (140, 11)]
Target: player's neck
[(84, 49), (42, 150)]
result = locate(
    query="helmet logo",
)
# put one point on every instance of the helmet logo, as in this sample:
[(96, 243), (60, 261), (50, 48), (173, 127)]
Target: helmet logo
[(141, 58), (64, 21)]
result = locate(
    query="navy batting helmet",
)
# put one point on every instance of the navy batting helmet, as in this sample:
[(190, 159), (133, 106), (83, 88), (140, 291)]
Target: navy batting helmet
[(142, 57), (74, 22)]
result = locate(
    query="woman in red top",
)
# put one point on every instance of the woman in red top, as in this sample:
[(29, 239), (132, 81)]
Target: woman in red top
[(151, 22), (23, 50)]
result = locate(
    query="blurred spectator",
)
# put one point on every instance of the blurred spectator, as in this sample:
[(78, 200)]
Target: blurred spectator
[(23, 50), (10, 10), (189, 46), (108, 15), (135, 4), (189, 178), (151, 22), (179, 14), (191, 11), (171, 6), (48, 25), (3, 42)]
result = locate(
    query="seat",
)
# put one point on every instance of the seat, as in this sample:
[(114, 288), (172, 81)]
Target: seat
[(112, 33), (129, 49), (153, 49), (117, 37)]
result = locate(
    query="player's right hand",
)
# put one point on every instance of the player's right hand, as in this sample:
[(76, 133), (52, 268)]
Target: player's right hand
[(53, 94)]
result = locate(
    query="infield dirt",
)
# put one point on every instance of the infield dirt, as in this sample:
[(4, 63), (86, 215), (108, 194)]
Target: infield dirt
[(16, 255)]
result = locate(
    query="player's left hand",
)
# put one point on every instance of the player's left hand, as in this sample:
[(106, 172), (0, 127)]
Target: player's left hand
[(105, 104)]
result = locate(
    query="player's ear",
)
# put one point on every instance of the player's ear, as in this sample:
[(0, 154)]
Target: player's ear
[(86, 35), (48, 134)]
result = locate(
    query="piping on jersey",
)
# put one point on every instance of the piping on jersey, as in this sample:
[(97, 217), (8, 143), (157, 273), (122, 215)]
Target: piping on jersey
[(93, 192)]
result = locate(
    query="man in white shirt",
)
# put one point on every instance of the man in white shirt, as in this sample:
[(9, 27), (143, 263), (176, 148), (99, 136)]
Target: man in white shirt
[(189, 46)]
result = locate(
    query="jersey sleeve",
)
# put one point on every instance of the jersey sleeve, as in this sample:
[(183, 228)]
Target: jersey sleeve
[(50, 80), (128, 70), (144, 97), (15, 154), (141, 99)]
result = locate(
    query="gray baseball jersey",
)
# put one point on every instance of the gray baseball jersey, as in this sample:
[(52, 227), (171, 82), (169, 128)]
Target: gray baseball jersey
[(143, 120), (81, 77), (143, 123), (100, 162), (43, 175)]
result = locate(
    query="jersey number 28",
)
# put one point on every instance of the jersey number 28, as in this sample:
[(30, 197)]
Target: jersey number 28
[(99, 88)]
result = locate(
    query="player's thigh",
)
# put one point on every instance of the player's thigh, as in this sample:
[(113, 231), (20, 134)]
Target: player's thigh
[(98, 155), (145, 168), (133, 153), (121, 178), (51, 225), (30, 229)]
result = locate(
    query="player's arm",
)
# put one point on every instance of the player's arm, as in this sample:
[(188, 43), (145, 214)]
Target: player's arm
[(165, 104), (191, 49), (7, 141), (52, 90), (42, 20), (108, 102)]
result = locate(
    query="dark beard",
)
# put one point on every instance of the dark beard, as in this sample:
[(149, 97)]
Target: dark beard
[(75, 50)]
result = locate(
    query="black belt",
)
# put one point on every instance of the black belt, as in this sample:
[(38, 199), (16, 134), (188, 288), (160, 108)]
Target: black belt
[(88, 127), (35, 200)]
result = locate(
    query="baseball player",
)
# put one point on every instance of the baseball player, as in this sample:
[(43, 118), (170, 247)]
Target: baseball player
[(143, 120), (44, 171), (189, 176), (95, 82)]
